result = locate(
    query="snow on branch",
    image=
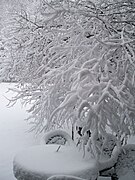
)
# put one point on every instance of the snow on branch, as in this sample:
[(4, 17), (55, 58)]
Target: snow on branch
[(74, 61)]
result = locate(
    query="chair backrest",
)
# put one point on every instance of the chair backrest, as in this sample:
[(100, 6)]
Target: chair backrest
[(58, 137)]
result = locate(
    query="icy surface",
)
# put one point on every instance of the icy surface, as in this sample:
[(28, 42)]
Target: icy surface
[(13, 133)]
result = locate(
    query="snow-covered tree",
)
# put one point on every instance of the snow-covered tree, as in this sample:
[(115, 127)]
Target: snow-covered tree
[(74, 62), (4, 61)]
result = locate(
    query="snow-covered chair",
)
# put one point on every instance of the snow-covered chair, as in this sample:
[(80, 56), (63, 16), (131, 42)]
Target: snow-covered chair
[(60, 137), (108, 144), (124, 160)]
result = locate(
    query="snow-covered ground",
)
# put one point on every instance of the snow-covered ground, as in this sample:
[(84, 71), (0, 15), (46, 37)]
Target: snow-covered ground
[(14, 136), (13, 133)]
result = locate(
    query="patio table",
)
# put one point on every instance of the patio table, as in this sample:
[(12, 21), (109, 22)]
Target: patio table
[(43, 161)]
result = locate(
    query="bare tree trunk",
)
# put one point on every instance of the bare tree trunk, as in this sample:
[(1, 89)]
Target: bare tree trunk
[(72, 132)]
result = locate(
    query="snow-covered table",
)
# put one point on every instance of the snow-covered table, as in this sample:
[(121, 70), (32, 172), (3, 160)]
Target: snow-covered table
[(43, 161)]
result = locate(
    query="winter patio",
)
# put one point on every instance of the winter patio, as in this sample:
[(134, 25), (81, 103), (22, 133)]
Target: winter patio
[(59, 158)]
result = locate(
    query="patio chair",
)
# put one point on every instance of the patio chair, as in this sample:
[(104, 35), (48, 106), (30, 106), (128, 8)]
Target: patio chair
[(125, 161)]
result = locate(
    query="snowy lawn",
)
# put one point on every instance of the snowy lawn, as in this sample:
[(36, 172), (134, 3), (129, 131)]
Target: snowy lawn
[(14, 136)]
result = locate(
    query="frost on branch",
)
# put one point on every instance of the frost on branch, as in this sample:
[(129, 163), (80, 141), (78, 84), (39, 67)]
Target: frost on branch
[(5, 63), (74, 62)]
